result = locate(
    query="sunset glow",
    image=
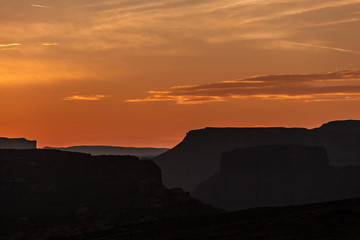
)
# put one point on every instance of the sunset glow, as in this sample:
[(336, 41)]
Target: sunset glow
[(143, 73)]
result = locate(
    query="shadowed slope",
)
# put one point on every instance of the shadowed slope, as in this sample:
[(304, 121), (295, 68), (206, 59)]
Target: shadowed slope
[(197, 157), (330, 221), (50, 191), (277, 176)]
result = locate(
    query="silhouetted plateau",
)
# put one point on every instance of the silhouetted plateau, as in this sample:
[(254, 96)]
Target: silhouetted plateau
[(277, 176), (47, 193), (198, 156), (16, 143), (147, 153)]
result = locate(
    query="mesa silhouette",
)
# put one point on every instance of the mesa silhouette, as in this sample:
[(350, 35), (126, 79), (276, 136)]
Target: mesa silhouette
[(16, 143), (197, 157), (147, 153), (277, 175)]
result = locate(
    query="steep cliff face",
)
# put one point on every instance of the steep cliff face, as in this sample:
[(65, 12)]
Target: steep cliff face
[(49, 189), (277, 176), (341, 140), (197, 157), (16, 143)]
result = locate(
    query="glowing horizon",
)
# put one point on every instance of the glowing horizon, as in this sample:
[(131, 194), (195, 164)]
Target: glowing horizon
[(143, 73)]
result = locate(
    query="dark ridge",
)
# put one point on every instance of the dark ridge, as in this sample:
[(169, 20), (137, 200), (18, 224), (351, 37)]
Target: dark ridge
[(16, 143), (52, 191), (112, 150), (342, 125), (198, 156)]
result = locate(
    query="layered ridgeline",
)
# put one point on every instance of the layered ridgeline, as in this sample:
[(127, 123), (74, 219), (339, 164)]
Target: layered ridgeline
[(111, 150), (47, 193), (277, 175), (197, 157), (16, 143)]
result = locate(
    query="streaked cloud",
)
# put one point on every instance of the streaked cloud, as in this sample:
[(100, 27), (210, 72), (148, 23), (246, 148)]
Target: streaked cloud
[(39, 6), (10, 45), (332, 86), (92, 97), (290, 44), (49, 44)]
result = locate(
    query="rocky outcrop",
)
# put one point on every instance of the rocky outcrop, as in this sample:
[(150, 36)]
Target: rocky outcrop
[(16, 143), (146, 153), (276, 176), (197, 157), (65, 194)]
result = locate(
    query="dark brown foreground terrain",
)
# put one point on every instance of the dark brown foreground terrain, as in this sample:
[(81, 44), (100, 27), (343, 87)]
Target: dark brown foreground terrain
[(332, 220), (54, 195), (48, 194)]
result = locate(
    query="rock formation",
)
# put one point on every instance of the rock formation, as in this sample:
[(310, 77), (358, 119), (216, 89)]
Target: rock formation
[(16, 143), (276, 176), (60, 193), (197, 157), (147, 153)]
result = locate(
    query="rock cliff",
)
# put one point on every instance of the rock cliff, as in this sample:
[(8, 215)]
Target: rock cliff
[(197, 157), (276, 176)]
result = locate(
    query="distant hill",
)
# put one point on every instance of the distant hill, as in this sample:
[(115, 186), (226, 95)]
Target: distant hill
[(148, 153), (197, 157), (50, 192), (16, 143), (277, 175)]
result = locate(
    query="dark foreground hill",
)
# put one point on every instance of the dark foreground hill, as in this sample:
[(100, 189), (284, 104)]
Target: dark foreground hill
[(55, 193), (277, 175), (325, 221), (148, 153), (16, 143), (197, 157)]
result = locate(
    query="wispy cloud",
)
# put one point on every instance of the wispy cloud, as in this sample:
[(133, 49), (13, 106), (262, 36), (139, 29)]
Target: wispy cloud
[(340, 85), (341, 21), (10, 45), (322, 47), (92, 97), (49, 44), (39, 6)]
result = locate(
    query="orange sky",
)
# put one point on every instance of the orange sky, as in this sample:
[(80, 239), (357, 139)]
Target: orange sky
[(143, 73)]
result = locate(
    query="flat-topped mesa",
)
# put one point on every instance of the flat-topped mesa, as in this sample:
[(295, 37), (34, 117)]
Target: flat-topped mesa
[(197, 157), (16, 143), (342, 125), (276, 176), (291, 159)]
